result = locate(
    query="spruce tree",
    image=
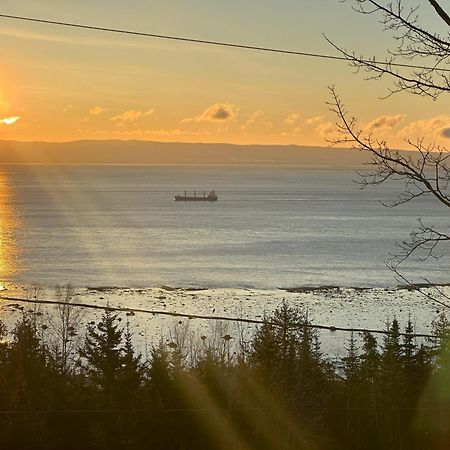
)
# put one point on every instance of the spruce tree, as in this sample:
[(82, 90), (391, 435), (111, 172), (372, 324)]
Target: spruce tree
[(369, 387), (391, 387), (351, 362), (160, 376), (274, 350), (103, 355), (131, 371)]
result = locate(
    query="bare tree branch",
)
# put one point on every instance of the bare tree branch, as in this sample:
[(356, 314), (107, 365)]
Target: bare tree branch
[(412, 42), (442, 14), (423, 172), (442, 299)]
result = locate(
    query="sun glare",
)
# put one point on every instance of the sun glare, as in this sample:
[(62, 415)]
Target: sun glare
[(9, 120)]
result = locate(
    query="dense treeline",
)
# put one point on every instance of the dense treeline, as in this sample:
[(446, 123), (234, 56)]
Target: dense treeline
[(61, 388)]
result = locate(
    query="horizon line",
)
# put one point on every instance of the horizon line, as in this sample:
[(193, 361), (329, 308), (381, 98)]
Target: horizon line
[(70, 141)]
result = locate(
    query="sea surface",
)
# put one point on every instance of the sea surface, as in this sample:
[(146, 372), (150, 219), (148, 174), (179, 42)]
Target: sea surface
[(272, 227)]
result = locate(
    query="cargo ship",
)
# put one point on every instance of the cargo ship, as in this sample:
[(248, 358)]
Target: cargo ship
[(211, 197)]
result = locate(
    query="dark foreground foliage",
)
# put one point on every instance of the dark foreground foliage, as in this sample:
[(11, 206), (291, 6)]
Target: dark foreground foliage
[(277, 392)]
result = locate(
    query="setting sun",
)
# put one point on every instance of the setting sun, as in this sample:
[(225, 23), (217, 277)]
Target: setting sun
[(9, 120)]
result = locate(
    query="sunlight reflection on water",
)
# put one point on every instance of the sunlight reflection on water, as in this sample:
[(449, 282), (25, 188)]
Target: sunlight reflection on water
[(9, 224)]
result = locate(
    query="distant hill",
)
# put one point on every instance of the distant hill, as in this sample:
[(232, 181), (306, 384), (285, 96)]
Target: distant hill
[(145, 152)]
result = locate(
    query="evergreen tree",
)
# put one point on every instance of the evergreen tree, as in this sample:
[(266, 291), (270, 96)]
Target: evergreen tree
[(416, 362), (274, 349), (351, 371), (409, 347), (369, 388), (370, 361), (131, 371), (103, 357), (160, 376), (31, 384), (441, 329), (351, 362), (114, 373), (27, 360), (391, 392), (161, 395)]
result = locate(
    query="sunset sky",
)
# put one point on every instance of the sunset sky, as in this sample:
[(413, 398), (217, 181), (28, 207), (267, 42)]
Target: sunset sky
[(59, 84)]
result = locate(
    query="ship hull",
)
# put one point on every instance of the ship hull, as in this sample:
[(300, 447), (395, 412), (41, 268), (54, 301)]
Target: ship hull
[(194, 199), (211, 197)]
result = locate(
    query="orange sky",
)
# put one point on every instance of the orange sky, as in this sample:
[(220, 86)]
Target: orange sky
[(61, 84)]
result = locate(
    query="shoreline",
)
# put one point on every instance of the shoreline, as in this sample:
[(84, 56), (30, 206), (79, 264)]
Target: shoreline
[(155, 313), (21, 286)]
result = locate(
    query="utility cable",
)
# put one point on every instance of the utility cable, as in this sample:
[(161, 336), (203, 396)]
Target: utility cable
[(216, 43), (206, 317)]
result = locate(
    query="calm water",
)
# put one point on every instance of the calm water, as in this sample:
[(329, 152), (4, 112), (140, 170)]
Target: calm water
[(119, 226)]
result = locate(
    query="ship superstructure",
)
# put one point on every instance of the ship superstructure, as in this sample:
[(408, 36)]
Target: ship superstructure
[(194, 197)]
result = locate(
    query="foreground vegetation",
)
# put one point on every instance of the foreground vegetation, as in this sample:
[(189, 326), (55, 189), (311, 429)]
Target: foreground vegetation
[(64, 389)]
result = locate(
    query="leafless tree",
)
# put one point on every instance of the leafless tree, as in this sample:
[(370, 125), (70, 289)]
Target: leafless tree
[(413, 42), (33, 293), (424, 170), (64, 325)]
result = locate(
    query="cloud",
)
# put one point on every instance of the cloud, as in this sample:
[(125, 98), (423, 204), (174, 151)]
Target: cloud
[(314, 127), (97, 110), (219, 112), (386, 122), (162, 133), (9, 120), (435, 127), (67, 108), (257, 117), (292, 119), (252, 118), (143, 133), (445, 132), (131, 116), (314, 121), (311, 122), (325, 128)]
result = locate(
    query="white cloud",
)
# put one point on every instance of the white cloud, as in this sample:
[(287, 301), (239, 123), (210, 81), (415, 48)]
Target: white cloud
[(320, 124), (326, 129), (131, 116), (219, 112), (293, 118), (97, 110), (313, 121), (144, 133), (257, 117), (434, 128), (386, 122)]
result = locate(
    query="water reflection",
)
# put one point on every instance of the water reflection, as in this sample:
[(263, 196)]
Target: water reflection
[(9, 224)]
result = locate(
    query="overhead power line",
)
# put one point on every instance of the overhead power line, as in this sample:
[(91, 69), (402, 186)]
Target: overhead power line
[(38, 412), (215, 43), (206, 317)]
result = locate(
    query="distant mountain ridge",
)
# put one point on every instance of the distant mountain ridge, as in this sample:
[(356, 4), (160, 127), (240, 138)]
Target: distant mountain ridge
[(147, 152)]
